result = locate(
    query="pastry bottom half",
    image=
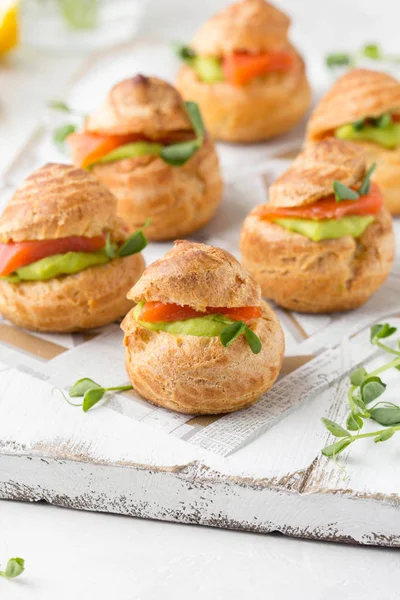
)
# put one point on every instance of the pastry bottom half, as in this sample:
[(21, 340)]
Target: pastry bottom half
[(318, 277), (88, 299), (197, 375)]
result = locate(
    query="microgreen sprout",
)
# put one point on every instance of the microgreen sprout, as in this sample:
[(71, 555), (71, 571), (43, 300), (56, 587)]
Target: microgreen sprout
[(90, 392), (236, 329), (342, 192), (347, 59), (15, 567), (365, 388)]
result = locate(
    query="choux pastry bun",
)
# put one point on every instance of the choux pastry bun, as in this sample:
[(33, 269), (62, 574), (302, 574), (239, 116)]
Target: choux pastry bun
[(65, 260), (324, 242), (200, 340), (151, 150), (242, 70)]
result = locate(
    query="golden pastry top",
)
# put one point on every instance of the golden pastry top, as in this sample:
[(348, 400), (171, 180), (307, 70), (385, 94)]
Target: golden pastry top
[(248, 25), (197, 275), (313, 172), (58, 201), (144, 105), (358, 94)]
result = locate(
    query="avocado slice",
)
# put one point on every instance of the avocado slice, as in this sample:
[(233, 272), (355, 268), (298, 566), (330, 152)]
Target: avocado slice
[(388, 137), (133, 150), (207, 326), (208, 69), (328, 229), (57, 265)]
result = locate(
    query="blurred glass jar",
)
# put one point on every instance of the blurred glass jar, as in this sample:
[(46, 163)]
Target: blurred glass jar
[(79, 25)]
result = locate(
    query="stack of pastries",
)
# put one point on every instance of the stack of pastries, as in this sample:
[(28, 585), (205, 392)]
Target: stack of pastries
[(60, 268), (324, 242), (143, 145), (174, 353), (244, 73), (364, 107)]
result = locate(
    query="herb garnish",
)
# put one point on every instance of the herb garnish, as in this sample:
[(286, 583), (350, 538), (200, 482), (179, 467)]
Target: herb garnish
[(134, 244), (342, 192), (371, 51), (365, 388), (185, 53), (15, 567), (61, 133), (177, 154), (233, 331), (91, 392)]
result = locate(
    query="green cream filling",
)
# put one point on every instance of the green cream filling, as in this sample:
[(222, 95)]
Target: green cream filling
[(388, 137), (328, 229), (208, 69), (207, 326), (57, 265), (134, 150)]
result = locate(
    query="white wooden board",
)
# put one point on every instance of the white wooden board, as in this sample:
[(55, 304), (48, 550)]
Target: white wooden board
[(262, 469)]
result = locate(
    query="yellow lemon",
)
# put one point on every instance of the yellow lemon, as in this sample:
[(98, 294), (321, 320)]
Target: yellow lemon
[(8, 25)]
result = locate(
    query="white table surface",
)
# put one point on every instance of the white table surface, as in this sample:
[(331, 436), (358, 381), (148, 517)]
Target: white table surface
[(71, 554)]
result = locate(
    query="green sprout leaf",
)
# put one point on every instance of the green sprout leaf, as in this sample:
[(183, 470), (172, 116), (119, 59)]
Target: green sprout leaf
[(384, 435), (110, 248), (366, 184), (338, 59), (62, 132), (178, 154), (372, 51), (371, 388), (358, 376), (358, 125), (59, 105), (386, 415), (185, 53), (342, 192), (15, 567), (253, 340), (354, 421), (231, 333), (135, 243), (383, 121), (92, 397), (336, 429), (82, 386), (381, 331), (334, 449)]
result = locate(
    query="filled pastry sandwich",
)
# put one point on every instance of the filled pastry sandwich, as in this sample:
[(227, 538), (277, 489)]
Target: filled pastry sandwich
[(244, 73), (324, 242), (152, 151), (66, 259), (364, 107), (200, 340)]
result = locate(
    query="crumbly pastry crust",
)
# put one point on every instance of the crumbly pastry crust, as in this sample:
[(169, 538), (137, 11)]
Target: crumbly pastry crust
[(197, 375), (197, 275), (358, 94), (179, 200), (317, 277), (58, 201), (85, 300), (251, 25), (265, 107), (146, 106), (313, 172)]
